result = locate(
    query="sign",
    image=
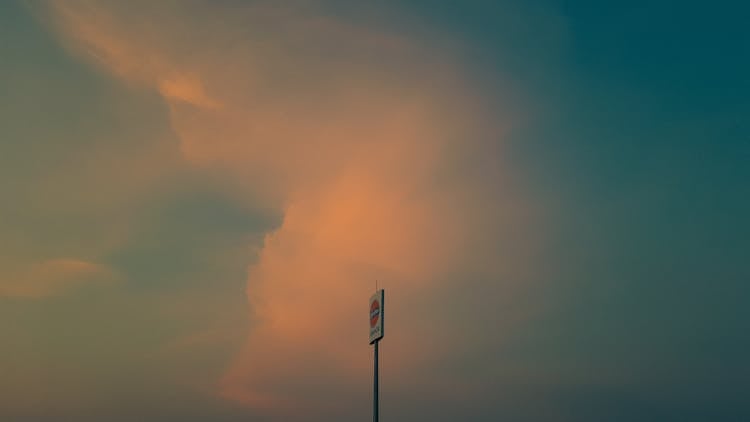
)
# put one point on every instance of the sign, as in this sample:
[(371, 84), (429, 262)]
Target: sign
[(376, 316)]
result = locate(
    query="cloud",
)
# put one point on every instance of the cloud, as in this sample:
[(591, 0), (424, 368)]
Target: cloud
[(187, 89), (372, 146), (53, 277)]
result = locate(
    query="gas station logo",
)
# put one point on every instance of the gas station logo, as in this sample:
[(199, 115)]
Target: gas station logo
[(376, 316), (374, 313)]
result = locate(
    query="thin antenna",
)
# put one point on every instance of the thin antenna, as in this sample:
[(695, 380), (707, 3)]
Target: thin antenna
[(376, 285)]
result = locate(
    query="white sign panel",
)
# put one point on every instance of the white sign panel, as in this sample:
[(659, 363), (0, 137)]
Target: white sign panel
[(376, 316)]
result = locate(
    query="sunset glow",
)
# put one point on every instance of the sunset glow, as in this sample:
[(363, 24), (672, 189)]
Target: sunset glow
[(200, 196)]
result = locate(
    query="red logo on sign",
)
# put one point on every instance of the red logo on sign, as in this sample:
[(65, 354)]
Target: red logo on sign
[(374, 313)]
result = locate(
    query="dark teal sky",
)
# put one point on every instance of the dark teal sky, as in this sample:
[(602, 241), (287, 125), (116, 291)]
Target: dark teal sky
[(630, 138), (645, 148)]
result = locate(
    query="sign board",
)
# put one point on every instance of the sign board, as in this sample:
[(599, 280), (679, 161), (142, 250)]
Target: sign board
[(376, 316)]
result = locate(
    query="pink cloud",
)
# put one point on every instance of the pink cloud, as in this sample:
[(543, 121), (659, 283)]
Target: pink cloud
[(365, 141), (53, 277)]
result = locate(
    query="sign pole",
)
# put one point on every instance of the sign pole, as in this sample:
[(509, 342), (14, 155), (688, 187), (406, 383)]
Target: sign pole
[(375, 404), (376, 333)]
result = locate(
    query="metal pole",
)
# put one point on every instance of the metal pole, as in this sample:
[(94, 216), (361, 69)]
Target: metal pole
[(375, 404)]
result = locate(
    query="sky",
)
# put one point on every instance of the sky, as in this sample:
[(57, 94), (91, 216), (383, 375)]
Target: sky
[(197, 199)]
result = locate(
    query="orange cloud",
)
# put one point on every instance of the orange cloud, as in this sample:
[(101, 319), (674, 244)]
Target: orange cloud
[(52, 277), (364, 140), (186, 89)]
